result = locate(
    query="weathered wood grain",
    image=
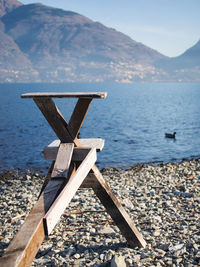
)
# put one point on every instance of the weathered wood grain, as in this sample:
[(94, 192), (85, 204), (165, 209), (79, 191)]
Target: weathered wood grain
[(90, 182), (63, 160), (54, 118), (116, 211), (50, 151), (27, 241), (78, 115), (96, 143), (114, 208), (66, 94), (58, 192), (64, 198), (80, 153)]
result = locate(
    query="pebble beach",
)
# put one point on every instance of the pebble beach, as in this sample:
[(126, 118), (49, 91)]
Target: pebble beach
[(162, 200)]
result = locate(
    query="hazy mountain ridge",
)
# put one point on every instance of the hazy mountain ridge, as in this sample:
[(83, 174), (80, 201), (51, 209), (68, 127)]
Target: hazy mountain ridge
[(185, 67), (40, 43), (189, 59)]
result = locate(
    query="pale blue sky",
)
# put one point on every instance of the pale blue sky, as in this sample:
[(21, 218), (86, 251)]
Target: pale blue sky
[(169, 26)]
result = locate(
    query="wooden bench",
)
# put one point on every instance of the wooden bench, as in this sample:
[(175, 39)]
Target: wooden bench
[(64, 178)]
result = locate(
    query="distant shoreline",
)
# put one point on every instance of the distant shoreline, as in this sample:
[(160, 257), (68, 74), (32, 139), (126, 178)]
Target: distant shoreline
[(43, 170)]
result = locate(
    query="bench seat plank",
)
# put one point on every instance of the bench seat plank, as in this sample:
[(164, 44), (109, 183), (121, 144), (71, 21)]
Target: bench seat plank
[(51, 150)]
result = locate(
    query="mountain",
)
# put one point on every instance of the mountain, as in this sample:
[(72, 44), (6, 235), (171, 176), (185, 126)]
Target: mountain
[(41, 30), (185, 67), (66, 46), (44, 44), (8, 5), (13, 62), (189, 59)]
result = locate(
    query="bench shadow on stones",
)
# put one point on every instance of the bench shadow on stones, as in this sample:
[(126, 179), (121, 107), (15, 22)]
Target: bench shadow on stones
[(3, 247)]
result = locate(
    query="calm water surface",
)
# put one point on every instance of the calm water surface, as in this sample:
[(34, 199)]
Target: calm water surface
[(132, 120)]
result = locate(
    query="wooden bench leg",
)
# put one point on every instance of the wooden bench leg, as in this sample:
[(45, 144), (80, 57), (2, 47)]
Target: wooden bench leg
[(114, 208), (78, 116), (67, 193), (26, 243)]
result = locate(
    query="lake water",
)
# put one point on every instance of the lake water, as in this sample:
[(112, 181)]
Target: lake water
[(132, 119)]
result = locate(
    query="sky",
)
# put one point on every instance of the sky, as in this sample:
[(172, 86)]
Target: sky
[(168, 26)]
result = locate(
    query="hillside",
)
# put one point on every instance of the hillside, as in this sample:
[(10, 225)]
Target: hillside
[(189, 59), (65, 46), (8, 5), (45, 44)]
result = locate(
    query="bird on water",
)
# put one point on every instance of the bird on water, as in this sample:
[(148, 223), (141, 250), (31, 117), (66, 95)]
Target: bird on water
[(169, 135)]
